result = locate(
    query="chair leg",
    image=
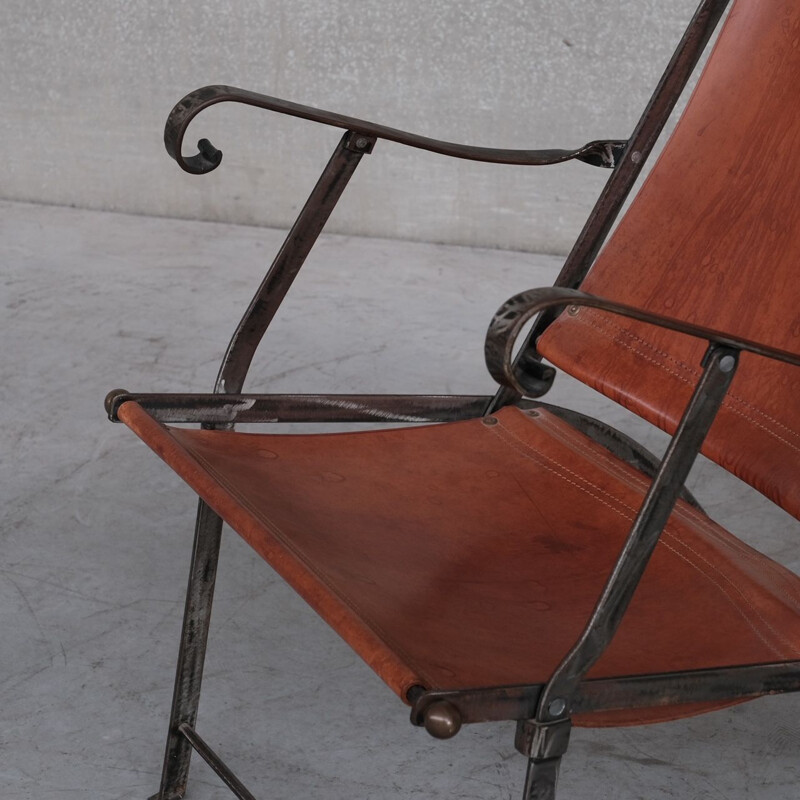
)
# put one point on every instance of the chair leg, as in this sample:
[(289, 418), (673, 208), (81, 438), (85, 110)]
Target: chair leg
[(541, 779), (189, 673), (543, 743)]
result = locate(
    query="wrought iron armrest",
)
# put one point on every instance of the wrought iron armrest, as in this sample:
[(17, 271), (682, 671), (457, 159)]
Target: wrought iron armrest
[(598, 153), (515, 312)]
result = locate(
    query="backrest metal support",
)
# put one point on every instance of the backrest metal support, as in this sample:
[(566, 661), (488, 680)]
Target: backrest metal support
[(719, 369), (622, 179)]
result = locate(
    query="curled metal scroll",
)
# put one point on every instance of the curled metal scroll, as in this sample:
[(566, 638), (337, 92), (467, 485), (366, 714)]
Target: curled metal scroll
[(598, 153), (511, 317)]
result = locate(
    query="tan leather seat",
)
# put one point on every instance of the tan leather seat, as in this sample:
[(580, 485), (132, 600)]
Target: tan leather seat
[(471, 554)]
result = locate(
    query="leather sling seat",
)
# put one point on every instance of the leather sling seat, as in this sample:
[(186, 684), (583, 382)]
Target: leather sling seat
[(470, 554)]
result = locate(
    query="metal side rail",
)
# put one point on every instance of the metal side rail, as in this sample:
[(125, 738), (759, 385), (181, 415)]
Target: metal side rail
[(443, 712), (223, 409)]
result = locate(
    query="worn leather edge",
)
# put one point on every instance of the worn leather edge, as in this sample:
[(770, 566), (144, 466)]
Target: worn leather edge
[(373, 650)]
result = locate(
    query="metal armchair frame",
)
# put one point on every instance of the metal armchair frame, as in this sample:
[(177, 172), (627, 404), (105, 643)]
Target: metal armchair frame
[(542, 711)]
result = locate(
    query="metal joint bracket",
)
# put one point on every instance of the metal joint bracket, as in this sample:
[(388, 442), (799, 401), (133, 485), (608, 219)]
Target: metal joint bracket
[(359, 142), (604, 154), (542, 740), (202, 749)]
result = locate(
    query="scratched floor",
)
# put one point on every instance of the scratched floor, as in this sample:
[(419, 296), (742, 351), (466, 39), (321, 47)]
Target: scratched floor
[(96, 531)]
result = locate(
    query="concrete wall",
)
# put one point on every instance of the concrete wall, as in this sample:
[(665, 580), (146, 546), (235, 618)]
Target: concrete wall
[(89, 84)]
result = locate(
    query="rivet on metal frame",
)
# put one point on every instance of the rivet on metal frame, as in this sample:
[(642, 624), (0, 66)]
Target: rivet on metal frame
[(727, 363), (557, 707)]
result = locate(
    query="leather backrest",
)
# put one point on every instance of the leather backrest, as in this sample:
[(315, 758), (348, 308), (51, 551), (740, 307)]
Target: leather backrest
[(713, 237)]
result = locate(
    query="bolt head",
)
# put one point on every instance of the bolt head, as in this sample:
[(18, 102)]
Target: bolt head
[(557, 707), (727, 363)]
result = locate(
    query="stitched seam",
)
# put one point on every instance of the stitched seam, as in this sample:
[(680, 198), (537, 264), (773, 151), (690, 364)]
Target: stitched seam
[(525, 454), (763, 427), (601, 329), (677, 539), (558, 474), (687, 513), (777, 634), (601, 321), (669, 547), (791, 649), (730, 398)]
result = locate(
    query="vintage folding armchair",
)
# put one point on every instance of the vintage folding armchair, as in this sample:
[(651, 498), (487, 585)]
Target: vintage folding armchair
[(518, 561)]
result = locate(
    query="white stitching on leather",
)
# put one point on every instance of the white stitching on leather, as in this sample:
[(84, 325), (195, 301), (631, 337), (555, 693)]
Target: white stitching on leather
[(688, 513), (601, 324), (532, 455)]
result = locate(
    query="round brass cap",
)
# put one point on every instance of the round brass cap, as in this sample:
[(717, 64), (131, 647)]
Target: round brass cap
[(111, 398), (442, 720)]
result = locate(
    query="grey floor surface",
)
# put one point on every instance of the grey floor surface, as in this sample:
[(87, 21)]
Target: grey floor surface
[(96, 531)]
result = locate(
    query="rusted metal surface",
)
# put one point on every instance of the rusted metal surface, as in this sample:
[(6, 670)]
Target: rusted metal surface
[(710, 685), (601, 153)]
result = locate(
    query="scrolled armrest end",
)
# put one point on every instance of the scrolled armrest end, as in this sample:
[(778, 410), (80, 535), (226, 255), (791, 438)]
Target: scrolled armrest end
[(208, 157)]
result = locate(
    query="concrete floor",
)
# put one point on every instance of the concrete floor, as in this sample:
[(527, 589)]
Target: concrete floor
[(96, 531)]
